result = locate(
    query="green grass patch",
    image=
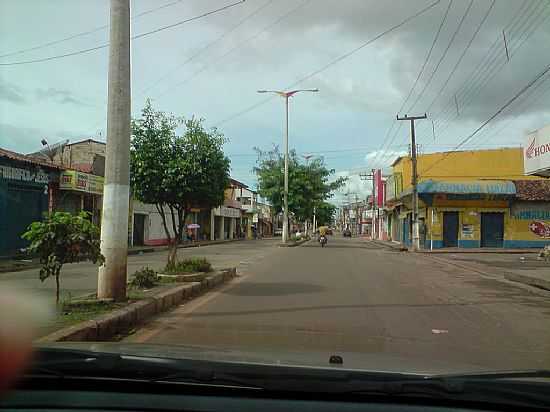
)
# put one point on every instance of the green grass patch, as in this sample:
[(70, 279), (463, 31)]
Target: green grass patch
[(191, 265), (78, 311)]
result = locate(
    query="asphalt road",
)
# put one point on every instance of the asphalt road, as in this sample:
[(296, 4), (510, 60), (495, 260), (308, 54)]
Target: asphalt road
[(378, 308), (81, 278)]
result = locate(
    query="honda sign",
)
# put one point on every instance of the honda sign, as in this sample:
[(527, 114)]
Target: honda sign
[(536, 152)]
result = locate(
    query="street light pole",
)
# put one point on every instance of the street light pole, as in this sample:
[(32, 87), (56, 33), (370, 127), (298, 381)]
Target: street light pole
[(286, 96), (285, 190)]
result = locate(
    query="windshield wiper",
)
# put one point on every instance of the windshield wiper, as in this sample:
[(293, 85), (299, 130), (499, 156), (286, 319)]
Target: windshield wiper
[(83, 364), (513, 374)]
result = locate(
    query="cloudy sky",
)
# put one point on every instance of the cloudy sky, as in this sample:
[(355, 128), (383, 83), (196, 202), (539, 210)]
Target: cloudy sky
[(211, 68)]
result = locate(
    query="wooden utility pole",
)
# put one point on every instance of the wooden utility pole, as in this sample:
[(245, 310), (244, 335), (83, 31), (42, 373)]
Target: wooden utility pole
[(416, 233), (116, 193), (365, 176)]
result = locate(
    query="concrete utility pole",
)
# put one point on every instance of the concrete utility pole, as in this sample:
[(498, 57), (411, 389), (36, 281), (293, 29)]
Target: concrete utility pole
[(286, 96), (116, 192), (416, 233)]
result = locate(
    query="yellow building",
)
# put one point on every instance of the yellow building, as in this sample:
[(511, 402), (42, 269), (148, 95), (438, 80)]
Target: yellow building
[(470, 199)]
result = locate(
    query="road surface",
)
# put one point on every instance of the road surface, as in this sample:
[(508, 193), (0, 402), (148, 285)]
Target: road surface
[(360, 299)]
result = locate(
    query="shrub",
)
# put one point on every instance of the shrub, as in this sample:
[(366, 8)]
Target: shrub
[(61, 238), (145, 278), (189, 266)]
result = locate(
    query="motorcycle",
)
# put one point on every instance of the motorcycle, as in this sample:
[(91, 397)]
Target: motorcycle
[(323, 240)]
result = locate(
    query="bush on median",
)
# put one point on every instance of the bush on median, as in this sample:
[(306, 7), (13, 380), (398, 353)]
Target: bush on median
[(145, 278), (192, 265)]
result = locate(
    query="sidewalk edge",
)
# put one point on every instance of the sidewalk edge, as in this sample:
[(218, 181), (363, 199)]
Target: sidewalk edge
[(122, 320)]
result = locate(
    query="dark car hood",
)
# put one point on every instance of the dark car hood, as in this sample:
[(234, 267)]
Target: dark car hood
[(372, 362)]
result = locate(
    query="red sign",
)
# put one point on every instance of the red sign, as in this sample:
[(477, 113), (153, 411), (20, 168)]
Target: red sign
[(379, 185), (540, 229)]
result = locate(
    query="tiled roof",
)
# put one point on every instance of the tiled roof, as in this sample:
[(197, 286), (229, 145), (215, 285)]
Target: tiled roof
[(27, 159), (533, 189)]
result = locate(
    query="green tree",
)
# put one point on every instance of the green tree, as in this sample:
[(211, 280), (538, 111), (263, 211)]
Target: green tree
[(325, 213), (309, 184), (63, 238), (176, 172)]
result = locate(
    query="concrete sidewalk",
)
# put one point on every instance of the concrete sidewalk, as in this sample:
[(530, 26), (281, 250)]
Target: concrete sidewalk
[(396, 245), (15, 265), (518, 265), (79, 279), (524, 268)]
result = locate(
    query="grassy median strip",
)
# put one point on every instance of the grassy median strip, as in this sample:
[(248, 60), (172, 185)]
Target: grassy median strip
[(88, 318)]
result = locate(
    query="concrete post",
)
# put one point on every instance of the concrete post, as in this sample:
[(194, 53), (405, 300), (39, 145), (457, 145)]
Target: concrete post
[(212, 224), (231, 227), (116, 192), (222, 228)]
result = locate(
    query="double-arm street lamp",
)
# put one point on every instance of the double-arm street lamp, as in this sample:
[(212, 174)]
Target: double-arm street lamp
[(286, 95)]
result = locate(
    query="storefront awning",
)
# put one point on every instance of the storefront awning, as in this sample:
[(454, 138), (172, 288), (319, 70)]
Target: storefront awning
[(464, 189), (478, 187)]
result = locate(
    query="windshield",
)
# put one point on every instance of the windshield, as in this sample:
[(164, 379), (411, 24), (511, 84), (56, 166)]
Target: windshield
[(340, 184)]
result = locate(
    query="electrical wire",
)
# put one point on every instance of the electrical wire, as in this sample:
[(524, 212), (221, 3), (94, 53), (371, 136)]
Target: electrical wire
[(238, 46), (473, 88), (495, 71), (497, 113), (138, 36), (442, 56), (333, 62), (463, 54), (85, 33), (434, 41), (487, 71), (203, 49)]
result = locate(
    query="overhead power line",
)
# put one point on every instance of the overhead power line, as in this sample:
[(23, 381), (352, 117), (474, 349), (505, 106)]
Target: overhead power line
[(333, 62), (138, 36), (385, 141), (488, 68), (514, 46), (497, 113), (463, 54), (85, 33), (238, 46), (443, 55), (209, 45)]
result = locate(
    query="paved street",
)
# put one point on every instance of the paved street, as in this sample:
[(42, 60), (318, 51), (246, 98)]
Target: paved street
[(81, 278), (366, 302)]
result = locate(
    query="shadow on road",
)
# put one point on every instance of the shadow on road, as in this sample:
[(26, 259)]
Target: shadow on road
[(273, 289), (342, 245)]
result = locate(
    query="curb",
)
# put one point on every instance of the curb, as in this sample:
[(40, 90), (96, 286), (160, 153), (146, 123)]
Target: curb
[(525, 280), (294, 244), (122, 320), (132, 252), (528, 280), (392, 246)]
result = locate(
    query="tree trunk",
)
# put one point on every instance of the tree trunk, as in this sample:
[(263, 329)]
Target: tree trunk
[(172, 249), (172, 253), (57, 288)]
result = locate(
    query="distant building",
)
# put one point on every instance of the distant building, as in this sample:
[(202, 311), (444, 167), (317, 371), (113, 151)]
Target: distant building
[(469, 199), (26, 186)]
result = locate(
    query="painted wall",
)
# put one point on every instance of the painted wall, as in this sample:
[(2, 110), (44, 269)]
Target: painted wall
[(504, 163), (154, 230), (529, 224), (526, 224)]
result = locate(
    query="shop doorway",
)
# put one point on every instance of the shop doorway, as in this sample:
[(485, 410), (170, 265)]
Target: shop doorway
[(139, 230), (492, 229), (450, 229)]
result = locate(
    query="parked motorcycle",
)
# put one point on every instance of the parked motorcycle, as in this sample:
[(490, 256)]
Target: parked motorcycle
[(323, 240)]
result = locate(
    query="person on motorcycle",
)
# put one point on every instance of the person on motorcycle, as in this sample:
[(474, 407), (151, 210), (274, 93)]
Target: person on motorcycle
[(323, 235)]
